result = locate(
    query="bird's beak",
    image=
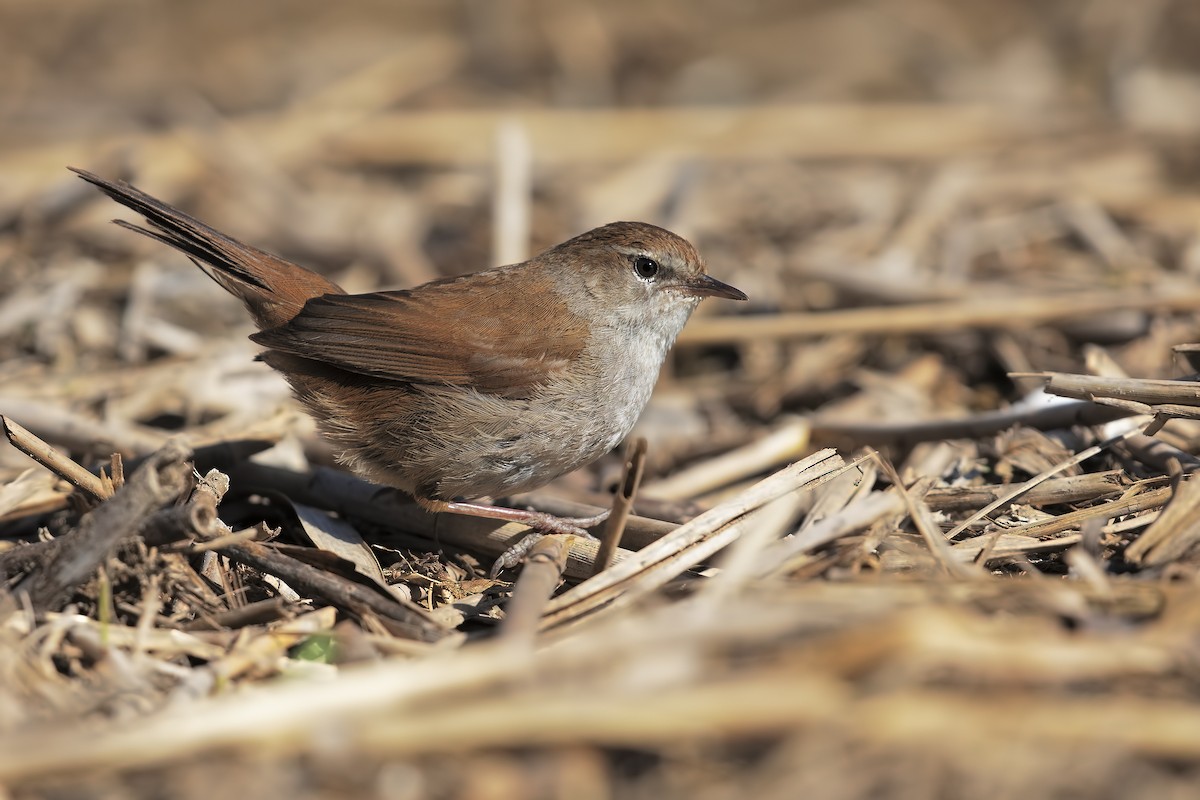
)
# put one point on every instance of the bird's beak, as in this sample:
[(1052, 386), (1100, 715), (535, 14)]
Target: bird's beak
[(708, 286)]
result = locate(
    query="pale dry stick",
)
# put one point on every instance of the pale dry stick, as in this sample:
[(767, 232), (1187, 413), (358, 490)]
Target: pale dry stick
[(1175, 531), (786, 442), (622, 507), (840, 492), (759, 702), (922, 518), (750, 702), (818, 464), (1130, 504), (542, 572), (686, 545), (858, 515), (513, 194), (968, 314), (1152, 392), (131, 344), (1159, 454), (867, 555), (1132, 524), (1083, 565), (988, 546), (164, 641), (941, 458), (1055, 491), (938, 545), (116, 471), (1002, 546), (738, 561), (54, 461), (658, 575), (937, 642), (876, 289), (148, 615), (1017, 491), (1100, 362)]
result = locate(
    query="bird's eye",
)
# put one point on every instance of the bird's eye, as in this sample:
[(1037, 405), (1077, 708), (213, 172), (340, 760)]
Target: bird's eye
[(645, 267)]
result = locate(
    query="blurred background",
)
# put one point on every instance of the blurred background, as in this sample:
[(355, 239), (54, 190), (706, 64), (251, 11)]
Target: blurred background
[(823, 155), (922, 198)]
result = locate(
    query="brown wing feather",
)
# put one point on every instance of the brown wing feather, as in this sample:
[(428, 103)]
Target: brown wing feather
[(442, 333)]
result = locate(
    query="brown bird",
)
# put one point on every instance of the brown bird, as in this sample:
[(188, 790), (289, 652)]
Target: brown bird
[(486, 384)]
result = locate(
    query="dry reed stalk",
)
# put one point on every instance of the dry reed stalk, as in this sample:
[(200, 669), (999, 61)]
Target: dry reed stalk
[(1054, 491), (857, 516), (691, 543), (51, 459), (1173, 533), (787, 441), (622, 508), (1016, 492), (513, 194), (1151, 393), (541, 573)]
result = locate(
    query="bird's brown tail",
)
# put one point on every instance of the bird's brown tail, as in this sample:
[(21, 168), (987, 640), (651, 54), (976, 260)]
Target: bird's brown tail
[(273, 288)]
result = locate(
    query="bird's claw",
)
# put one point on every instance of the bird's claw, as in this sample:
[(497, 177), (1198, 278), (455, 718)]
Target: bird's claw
[(548, 524)]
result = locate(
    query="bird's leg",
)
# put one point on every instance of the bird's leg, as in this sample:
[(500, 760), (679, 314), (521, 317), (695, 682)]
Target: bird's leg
[(538, 520), (541, 522)]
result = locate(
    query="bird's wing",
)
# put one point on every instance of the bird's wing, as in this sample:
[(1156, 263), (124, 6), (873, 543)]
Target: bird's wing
[(481, 331)]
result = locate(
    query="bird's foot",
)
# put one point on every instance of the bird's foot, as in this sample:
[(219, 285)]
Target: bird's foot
[(541, 522)]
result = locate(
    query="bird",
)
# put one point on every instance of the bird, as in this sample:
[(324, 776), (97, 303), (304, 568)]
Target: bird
[(482, 385)]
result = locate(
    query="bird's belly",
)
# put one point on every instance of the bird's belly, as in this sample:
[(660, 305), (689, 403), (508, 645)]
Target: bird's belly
[(484, 444)]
